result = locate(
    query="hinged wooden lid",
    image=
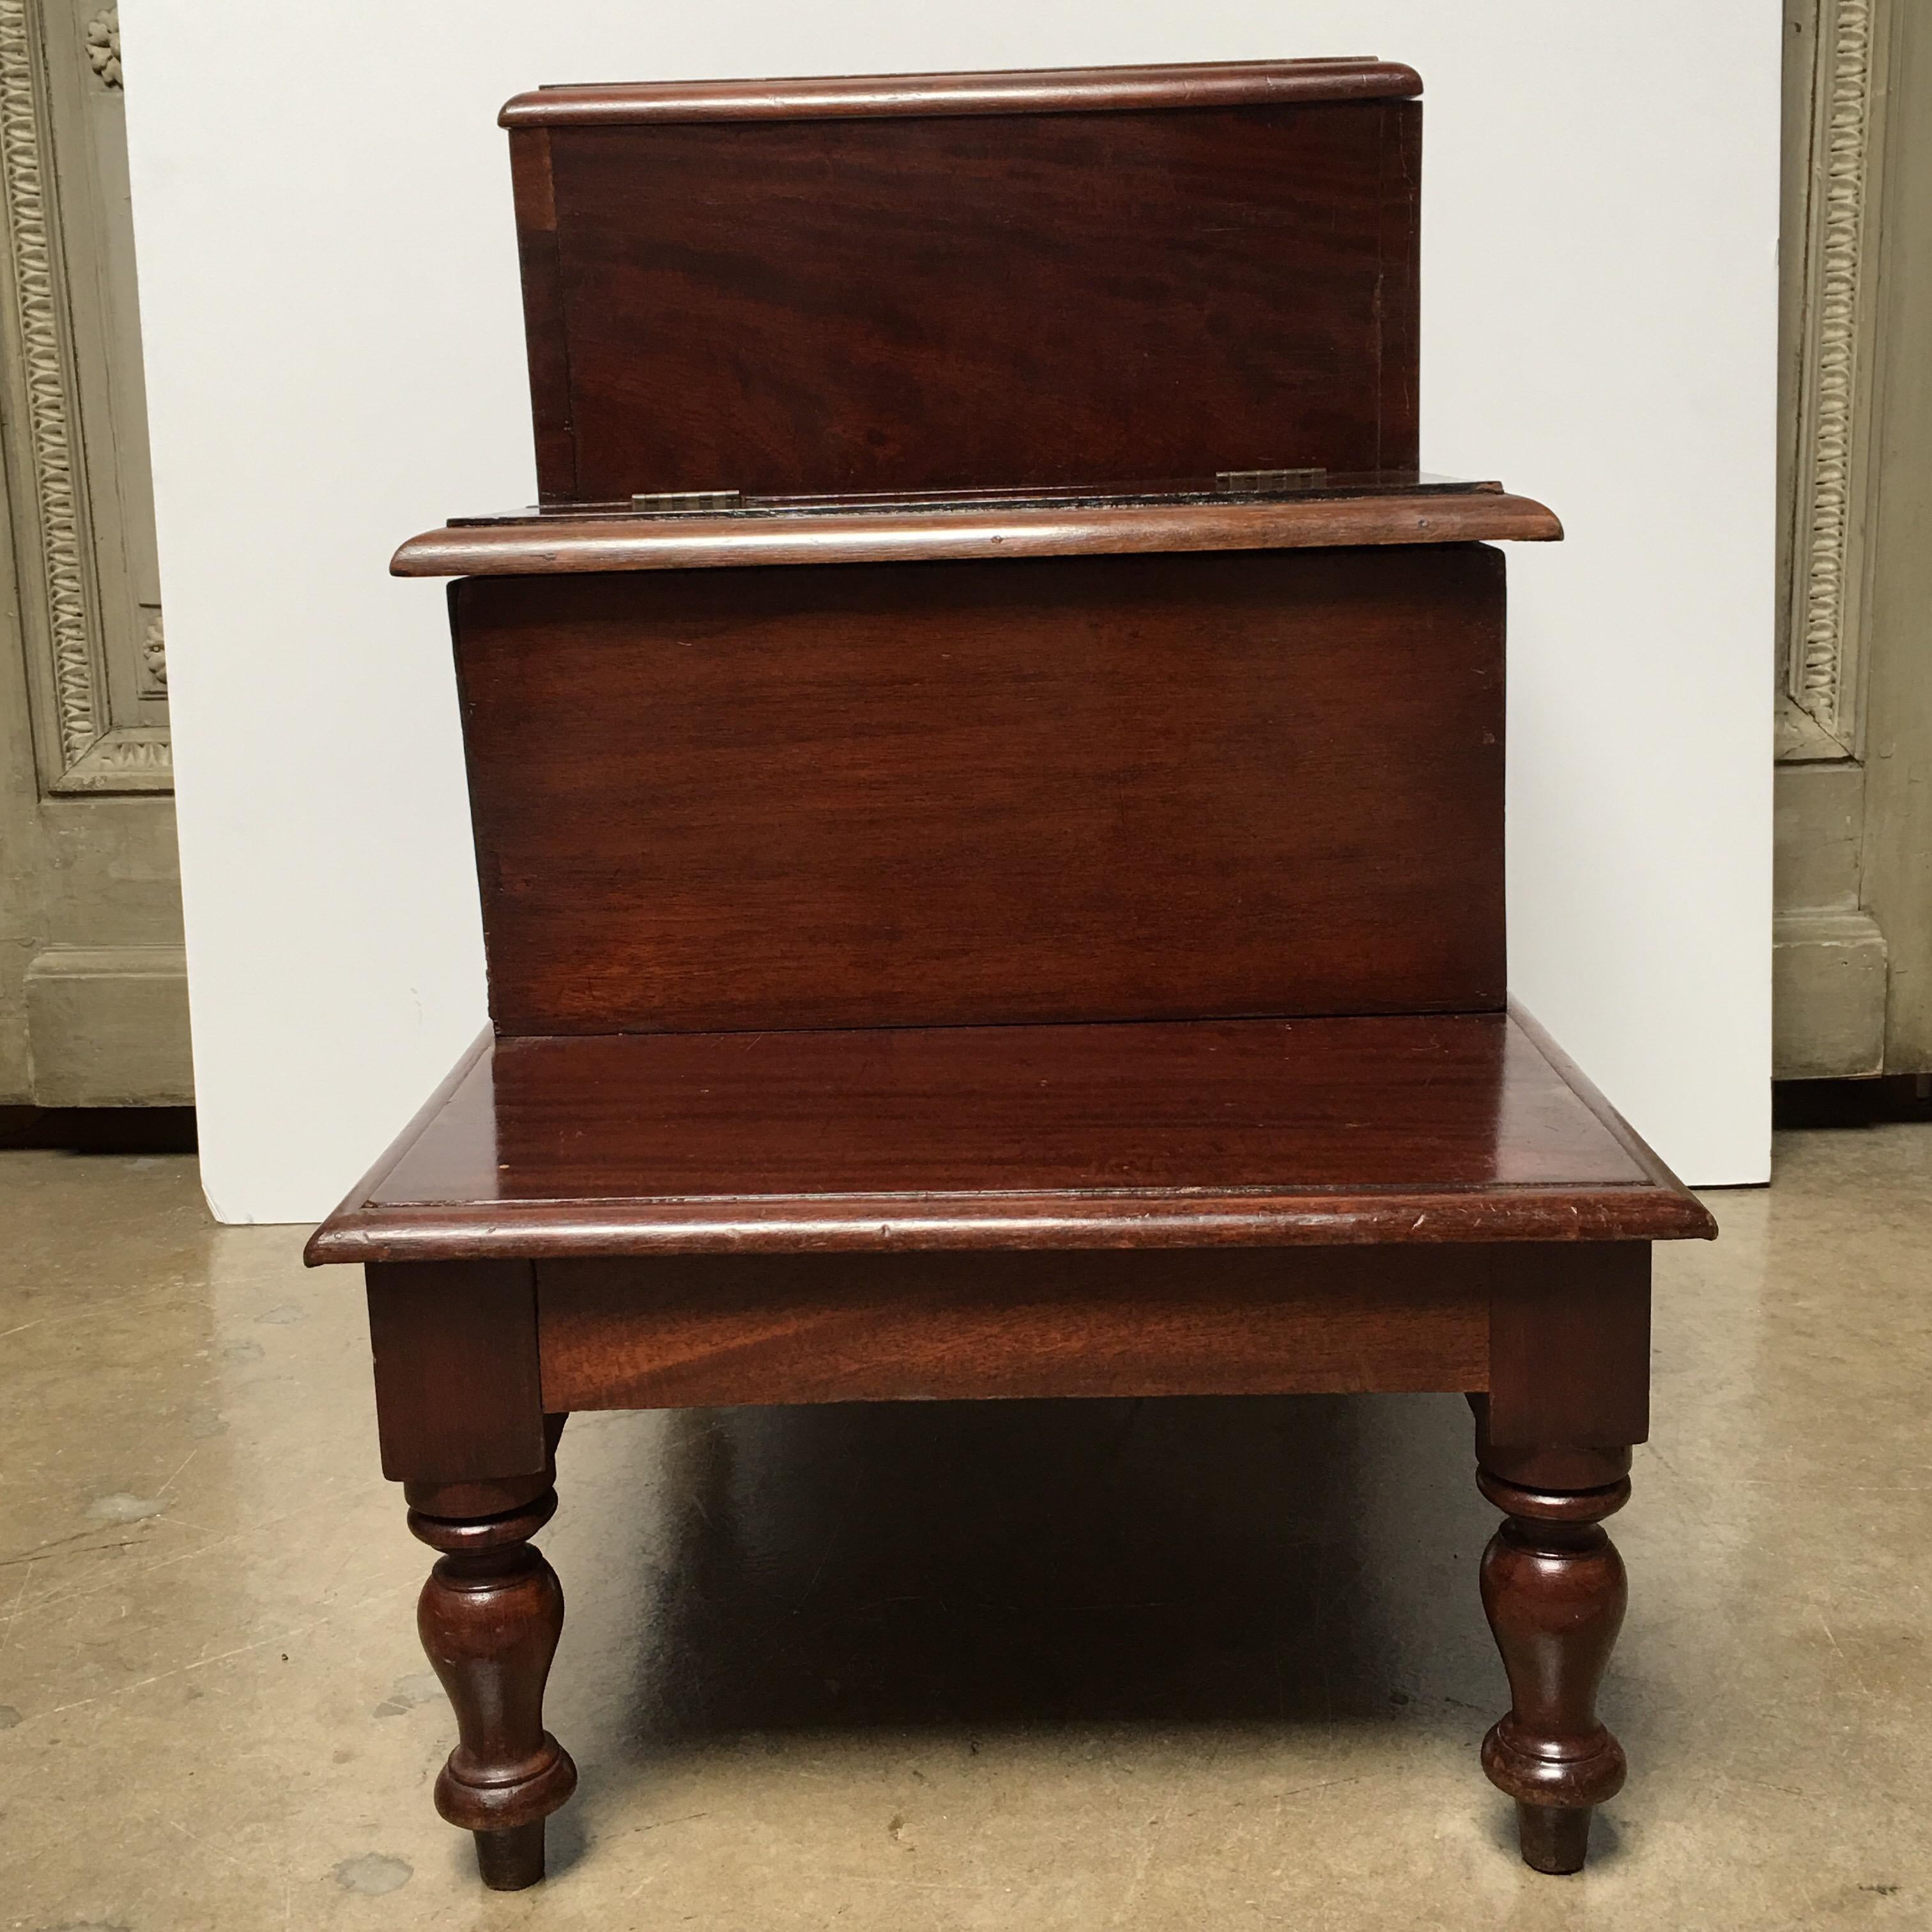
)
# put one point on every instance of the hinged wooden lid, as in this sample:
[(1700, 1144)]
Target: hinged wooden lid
[(906, 284)]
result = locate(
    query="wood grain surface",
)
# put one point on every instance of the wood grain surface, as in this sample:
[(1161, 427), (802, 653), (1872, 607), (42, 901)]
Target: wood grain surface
[(1089, 789), (1030, 91), (1226, 1134), (789, 302), (695, 1331), (455, 1354), (569, 546)]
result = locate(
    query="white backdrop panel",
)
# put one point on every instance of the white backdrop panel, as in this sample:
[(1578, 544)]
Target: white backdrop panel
[(333, 338)]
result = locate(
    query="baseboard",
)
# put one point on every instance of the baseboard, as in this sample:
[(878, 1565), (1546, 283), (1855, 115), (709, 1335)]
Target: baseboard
[(1828, 980), (108, 1027)]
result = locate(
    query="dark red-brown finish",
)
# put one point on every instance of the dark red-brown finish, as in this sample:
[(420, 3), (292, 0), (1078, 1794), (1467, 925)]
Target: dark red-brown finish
[(1573, 1344), (1006, 909), (559, 545), (703, 1331), (1554, 1591), (457, 1378), (1258, 1133), (549, 353), (960, 288), (490, 1617), (1084, 789), (1014, 91)]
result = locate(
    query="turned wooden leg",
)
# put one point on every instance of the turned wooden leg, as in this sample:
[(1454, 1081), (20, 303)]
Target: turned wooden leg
[(1553, 1588), (490, 1615)]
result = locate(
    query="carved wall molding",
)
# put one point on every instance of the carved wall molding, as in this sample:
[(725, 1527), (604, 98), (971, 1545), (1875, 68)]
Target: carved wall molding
[(48, 428), (155, 655), (89, 752), (102, 43), (1835, 364)]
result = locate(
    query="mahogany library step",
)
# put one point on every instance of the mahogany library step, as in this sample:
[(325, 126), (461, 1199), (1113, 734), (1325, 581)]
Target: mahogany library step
[(1448, 1127)]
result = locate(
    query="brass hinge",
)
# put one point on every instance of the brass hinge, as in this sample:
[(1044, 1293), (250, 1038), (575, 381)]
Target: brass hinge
[(690, 499), (1267, 482)]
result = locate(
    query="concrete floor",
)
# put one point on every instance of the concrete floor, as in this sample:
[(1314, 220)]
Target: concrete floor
[(1159, 1665)]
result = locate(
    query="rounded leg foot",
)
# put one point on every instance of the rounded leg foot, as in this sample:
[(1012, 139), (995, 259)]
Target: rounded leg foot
[(489, 1616), (508, 1861), (1553, 1587), (1555, 1838)]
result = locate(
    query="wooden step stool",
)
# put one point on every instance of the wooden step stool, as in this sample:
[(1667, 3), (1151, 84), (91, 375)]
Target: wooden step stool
[(987, 768)]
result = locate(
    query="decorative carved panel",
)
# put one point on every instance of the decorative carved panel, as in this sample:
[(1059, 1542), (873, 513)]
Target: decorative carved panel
[(75, 413), (1834, 145), (104, 45)]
